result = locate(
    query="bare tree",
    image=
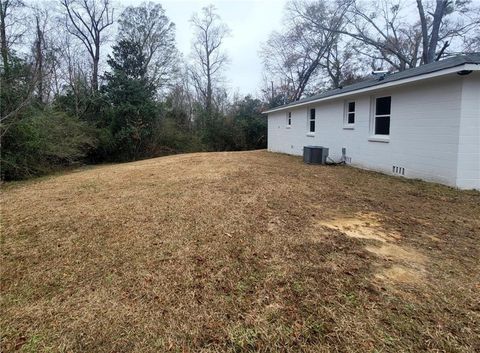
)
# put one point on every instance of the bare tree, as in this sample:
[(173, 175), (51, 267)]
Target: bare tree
[(73, 73), (378, 26), (87, 20), (343, 64), (148, 26), (4, 6), (23, 84), (295, 56), (396, 37), (472, 44), (281, 65), (438, 31), (8, 34), (47, 51), (208, 58), (39, 54)]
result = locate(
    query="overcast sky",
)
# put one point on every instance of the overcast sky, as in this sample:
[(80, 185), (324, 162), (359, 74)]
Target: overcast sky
[(250, 22)]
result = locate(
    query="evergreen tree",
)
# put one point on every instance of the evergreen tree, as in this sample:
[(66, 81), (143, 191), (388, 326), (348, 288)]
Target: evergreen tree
[(130, 93)]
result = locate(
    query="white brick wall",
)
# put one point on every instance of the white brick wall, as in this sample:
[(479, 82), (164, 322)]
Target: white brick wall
[(468, 166), (427, 121)]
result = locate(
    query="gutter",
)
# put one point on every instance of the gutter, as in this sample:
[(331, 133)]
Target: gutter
[(455, 69)]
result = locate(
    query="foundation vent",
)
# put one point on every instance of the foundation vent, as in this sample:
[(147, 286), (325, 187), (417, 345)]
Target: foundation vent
[(398, 170)]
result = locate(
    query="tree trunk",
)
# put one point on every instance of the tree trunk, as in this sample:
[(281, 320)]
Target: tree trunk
[(39, 59), (437, 21), (89, 28), (208, 104), (430, 42), (95, 74), (3, 38), (423, 22), (96, 60), (209, 93)]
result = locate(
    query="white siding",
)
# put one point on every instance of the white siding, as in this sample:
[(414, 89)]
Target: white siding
[(424, 130), (468, 166)]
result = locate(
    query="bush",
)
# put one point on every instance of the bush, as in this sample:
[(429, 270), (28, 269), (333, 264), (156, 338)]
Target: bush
[(170, 137), (42, 142)]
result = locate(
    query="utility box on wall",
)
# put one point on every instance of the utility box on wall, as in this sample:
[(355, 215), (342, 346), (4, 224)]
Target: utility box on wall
[(315, 154)]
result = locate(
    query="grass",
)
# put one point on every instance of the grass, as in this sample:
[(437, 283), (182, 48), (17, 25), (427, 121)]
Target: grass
[(238, 252)]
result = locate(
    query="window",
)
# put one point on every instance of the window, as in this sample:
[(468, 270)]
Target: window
[(289, 118), (382, 116), (311, 120), (350, 113)]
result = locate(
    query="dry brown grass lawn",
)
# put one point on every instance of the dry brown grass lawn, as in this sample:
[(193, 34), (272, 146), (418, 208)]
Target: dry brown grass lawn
[(238, 252)]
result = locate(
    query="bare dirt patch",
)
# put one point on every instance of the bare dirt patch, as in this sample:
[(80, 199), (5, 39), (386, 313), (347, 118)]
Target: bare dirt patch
[(238, 252), (398, 263), (401, 274), (362, 226), (398, 253)]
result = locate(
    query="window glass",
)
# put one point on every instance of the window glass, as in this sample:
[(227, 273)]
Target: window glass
[(382, 115), (350, 119), (312, 120), (382, 125), (351, 107), (383, 106)]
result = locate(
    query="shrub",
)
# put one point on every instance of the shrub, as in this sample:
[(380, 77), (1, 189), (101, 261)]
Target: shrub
[(44, 141)]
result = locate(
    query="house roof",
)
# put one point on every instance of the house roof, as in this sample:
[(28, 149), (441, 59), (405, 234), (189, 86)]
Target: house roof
[(451, 62)]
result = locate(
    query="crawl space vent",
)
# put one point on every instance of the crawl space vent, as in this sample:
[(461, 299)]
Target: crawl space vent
[(398, 170)]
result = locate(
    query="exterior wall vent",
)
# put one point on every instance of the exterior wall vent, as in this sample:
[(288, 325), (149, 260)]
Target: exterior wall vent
[(398, 170)]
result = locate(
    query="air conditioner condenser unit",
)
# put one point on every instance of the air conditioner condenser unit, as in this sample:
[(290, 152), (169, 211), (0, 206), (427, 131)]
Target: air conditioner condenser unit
[(315, 154)]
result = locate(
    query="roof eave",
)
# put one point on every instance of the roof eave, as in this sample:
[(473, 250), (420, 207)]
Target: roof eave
[(468, 67)]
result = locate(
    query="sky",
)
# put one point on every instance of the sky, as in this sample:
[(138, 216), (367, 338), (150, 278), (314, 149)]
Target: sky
[(250, 22)]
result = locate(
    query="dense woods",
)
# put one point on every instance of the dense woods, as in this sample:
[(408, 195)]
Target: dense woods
[(83, 83)]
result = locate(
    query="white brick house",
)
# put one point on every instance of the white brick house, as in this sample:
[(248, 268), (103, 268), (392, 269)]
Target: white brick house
[(420, 123)]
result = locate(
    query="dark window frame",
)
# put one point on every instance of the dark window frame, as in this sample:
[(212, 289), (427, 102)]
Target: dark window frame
[(289, 118)]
